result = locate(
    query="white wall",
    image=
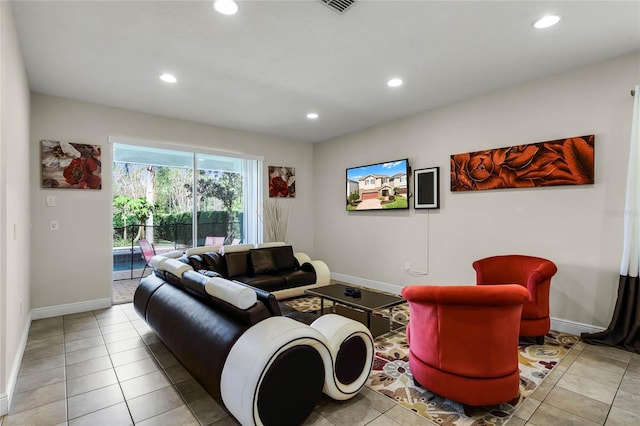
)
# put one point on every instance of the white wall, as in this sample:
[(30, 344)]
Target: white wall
[(14, 206), (578, 227), (74, 264)]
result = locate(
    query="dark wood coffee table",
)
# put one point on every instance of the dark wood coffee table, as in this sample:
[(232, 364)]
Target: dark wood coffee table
[(357, 307)]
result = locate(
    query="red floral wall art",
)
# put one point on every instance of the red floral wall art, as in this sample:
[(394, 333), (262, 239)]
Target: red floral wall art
[(70, 165), (559, 162), (282, 181)]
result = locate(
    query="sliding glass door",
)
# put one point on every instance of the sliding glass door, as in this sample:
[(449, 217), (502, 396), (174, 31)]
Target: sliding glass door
[(179, 198), (219, 199)]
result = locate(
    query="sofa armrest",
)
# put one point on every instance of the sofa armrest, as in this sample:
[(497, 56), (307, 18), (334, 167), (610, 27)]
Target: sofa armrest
[(262, 372), (302, 258), (323, 275), (261, 375), (351, 347)]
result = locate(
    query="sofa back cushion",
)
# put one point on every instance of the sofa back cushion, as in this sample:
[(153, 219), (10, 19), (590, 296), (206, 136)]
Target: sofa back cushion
[(284, 258), (196, 262), (238, 263), (262, 261), (194, 282), (204, 288), (214, 262)]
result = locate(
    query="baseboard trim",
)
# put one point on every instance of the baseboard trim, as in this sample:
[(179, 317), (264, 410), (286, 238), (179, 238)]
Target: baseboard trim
[(4, 404), (12, 378), (377, 285), (557, 324), (572, 327), (70, 308)]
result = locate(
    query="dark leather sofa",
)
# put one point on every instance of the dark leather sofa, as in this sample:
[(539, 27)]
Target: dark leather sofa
[(265, 368), (276, 269)]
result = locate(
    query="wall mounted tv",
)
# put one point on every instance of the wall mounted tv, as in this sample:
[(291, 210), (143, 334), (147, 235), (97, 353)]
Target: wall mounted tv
[(380, 186)]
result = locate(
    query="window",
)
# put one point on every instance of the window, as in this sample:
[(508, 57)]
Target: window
[(158, 192)]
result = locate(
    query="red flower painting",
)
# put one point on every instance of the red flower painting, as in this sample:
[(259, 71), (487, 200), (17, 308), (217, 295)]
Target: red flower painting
[(559, 162), (80, 173), (282, 182), (70, 165)]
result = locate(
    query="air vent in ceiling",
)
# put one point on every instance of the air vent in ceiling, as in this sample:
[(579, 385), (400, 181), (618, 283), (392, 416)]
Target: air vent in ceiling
[(340, 6)]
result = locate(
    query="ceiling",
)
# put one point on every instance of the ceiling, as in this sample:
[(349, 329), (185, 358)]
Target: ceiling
[(265, 68)]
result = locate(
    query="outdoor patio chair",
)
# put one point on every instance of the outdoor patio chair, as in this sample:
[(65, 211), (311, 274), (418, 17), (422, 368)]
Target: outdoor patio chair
[(147, 252), (214, 241)]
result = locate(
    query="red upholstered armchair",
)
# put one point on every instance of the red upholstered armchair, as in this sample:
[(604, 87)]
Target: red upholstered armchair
[(463, 341), (533, 273)]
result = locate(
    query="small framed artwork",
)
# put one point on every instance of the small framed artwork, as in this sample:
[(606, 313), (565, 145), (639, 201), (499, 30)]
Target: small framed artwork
[(426, 190), (282, 182), (70, 165)]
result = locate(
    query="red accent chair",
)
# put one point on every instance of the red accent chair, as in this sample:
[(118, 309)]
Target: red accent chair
[(463, 341), (533, 273)]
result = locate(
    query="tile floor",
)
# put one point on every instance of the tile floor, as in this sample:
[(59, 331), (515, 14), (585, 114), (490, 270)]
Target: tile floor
[(108, 368)]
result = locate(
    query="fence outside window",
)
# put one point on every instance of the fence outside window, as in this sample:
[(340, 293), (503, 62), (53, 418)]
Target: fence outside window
[(166, 237)]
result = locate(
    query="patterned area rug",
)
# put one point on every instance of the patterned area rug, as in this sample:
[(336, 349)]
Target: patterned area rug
[(391, 375)]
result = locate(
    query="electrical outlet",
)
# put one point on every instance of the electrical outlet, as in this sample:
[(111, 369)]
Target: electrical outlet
[(407, 266), (54, 225)]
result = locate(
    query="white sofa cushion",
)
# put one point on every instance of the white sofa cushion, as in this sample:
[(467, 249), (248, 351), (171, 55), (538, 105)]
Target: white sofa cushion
[(174, 267), (173, 254), (157, 261), (233, 293), (233, 248), (202, 249), (272, 244)]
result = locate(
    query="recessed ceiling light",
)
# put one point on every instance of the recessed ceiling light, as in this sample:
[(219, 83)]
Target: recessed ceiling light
[(312, 116), (226, 7), (546, 21), (395, 82), (168, 78)]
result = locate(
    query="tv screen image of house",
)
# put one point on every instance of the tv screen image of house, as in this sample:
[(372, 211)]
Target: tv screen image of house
[(380, 186)]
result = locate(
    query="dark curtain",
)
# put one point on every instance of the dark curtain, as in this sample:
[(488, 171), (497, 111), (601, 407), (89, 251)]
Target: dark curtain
[(624, 330)]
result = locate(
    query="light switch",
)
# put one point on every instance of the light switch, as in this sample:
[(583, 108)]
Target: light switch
[(54, 225), (50, 201)]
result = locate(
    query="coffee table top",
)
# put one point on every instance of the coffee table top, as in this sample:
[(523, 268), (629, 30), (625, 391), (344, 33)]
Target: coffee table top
[(369, 300)]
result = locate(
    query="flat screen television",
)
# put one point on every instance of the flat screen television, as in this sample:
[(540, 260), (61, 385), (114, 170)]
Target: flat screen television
[(380, 186)]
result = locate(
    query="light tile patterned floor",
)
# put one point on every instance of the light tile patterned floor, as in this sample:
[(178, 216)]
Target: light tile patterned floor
[(108, 368)]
